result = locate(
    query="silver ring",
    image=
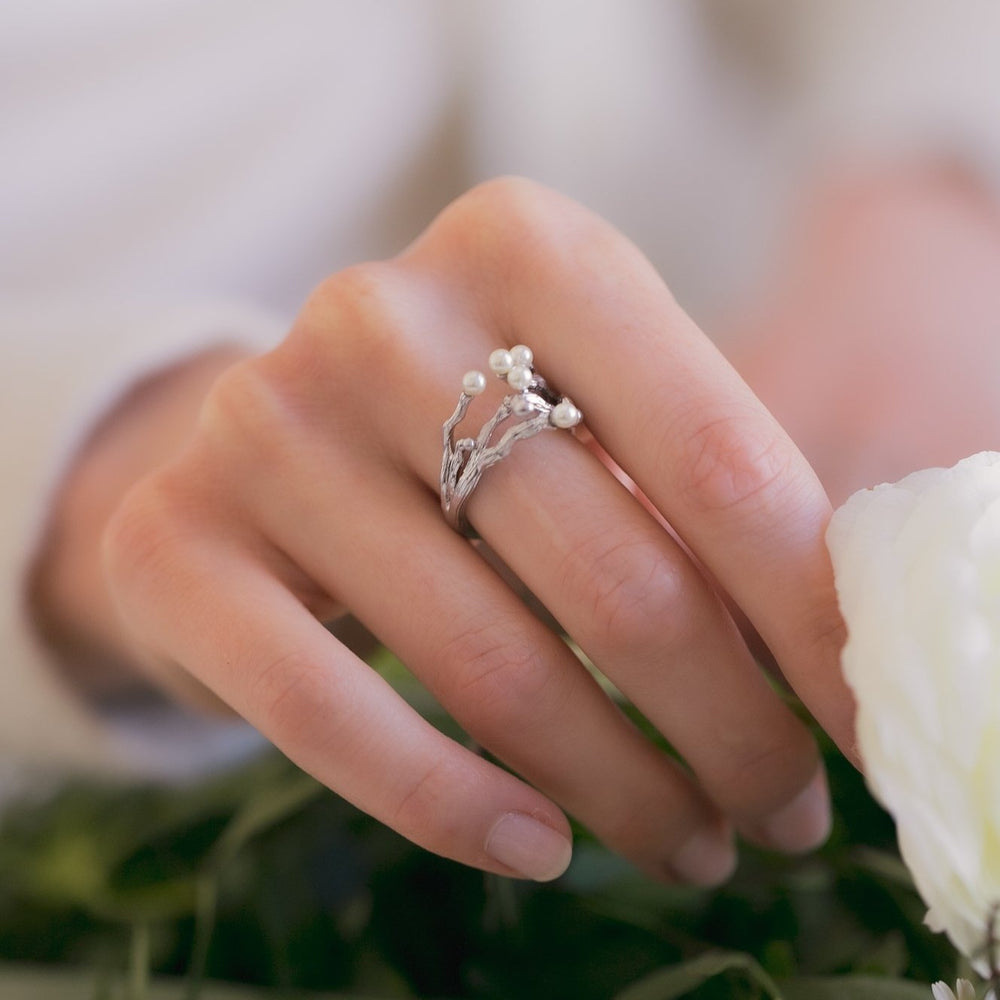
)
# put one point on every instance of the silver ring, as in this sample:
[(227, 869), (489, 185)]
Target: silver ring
[(532, 407)]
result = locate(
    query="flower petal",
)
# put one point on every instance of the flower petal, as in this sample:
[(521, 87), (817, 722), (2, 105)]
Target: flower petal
[(917, 568)]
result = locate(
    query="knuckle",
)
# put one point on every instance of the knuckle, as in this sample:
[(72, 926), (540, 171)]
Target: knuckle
[(828, 630), (635, 592), (732, 460), (519, 231), (245, 408), (355, 319), (515, 201), (282, 694), (239, 389), (507, 226), (511, 237), (498, 681), (764, 767), (425, 805), (260, 414), (361, 287), (140, 538), (294, 701)]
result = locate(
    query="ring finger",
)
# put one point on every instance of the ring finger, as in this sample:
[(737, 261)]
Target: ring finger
[(637, 605), (511, 682)]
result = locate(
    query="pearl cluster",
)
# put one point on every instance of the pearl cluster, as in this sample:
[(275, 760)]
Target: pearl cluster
[(515, 368)]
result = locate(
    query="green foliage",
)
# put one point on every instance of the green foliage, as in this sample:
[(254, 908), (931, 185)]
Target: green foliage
[(683, 979), (261, 884)]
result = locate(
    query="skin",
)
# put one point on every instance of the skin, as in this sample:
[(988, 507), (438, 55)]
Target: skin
[(236, 502), (875, 344)]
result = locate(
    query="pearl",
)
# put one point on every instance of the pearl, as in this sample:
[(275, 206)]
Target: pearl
[(501, 362), (473, 383), (565, 415), (522, 355), (521, 406), (519, 377)]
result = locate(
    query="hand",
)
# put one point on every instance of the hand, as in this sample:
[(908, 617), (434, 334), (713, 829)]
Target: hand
[(311, 484)]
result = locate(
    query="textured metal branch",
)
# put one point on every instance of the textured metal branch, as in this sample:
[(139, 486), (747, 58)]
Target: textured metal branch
[(464, 465), (464, 461)]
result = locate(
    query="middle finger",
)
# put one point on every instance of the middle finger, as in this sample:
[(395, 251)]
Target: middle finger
[(633, 600)]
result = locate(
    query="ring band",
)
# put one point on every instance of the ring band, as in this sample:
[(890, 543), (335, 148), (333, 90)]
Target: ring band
[(532, 405)]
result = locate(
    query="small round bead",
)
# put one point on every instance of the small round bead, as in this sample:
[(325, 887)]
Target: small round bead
[(565, 415), (501, 362), (521, 406), (473, 383), (522, 355), (519, 377)]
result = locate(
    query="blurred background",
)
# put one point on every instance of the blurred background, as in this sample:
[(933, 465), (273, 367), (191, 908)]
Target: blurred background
[(262, 880), (816, 182)]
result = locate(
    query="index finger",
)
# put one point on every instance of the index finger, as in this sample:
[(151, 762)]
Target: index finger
[(668, 407)]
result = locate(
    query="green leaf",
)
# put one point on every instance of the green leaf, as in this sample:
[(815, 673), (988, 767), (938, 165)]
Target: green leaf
[(680, 980), (854, 988), (887, 866), (270, 805), (26, 983)]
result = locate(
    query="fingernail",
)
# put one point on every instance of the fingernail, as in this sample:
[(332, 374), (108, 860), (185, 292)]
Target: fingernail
[(802, 824), (529, 847), (707, 859)]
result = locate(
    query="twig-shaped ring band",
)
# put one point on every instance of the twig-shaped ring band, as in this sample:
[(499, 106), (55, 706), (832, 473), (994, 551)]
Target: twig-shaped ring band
[(531, 407)]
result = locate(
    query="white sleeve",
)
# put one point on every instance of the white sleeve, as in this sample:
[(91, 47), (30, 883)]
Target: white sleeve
[(62, 369), (221, 149)]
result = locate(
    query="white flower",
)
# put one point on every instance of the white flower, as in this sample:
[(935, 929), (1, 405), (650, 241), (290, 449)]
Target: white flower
[(917, 567), (963, 991)]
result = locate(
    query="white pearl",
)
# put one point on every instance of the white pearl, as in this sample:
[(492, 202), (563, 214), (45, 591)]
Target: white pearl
[(519, 377), (565, 415), (473, 383), (522, 355), (521, 406), (501, 362)]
